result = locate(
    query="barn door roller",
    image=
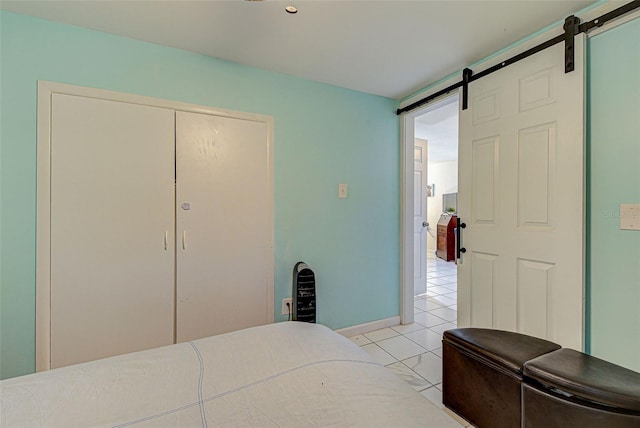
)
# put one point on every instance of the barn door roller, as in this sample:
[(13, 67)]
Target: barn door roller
[(571, 29), (466, 79)]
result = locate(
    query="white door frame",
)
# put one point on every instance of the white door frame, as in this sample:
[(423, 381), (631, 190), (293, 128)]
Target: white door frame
[(407, 141), (407, 138), (43, 198)]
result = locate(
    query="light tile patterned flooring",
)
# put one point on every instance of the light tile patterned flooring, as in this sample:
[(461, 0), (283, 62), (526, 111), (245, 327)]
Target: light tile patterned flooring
[(414, 351)]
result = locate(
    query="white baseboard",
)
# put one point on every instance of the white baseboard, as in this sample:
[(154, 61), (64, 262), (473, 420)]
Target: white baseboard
[(369, 326)]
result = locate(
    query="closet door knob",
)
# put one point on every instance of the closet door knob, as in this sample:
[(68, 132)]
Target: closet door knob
[(184, 239), (166, 240)]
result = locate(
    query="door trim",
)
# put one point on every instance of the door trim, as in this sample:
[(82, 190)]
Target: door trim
[(43, 194), (407, 139)]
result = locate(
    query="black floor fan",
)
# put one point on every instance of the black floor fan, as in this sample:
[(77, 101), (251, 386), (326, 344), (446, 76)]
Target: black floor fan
[(304, 293)]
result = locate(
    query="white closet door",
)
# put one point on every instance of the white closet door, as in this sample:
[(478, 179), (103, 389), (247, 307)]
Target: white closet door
[(223, 224), (112, 228)]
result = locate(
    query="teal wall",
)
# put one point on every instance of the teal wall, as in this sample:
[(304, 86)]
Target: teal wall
[(613, 169), (324, 135)]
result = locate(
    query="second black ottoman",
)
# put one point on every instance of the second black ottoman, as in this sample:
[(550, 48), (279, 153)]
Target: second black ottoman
[(482, 373), (569, 389)]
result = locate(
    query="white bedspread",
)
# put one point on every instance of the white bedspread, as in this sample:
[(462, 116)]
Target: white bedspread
[(279, 375)]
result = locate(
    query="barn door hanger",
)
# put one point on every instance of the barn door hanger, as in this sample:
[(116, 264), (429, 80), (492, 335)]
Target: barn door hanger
[(571, 29), (466, 79)]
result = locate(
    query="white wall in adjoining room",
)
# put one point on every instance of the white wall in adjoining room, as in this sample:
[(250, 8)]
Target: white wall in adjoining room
[(444, 175)]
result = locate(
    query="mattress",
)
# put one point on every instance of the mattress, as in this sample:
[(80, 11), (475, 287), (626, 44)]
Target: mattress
[(279, 375)]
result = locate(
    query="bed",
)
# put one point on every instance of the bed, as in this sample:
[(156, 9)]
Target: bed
[(287, 374)]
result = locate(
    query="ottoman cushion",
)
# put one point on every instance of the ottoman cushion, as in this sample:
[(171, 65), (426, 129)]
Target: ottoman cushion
[(504, 348), (586, 377)]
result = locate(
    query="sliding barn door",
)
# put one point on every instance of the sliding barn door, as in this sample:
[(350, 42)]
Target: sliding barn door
[(112, 228), (224, 225), (521, 192)]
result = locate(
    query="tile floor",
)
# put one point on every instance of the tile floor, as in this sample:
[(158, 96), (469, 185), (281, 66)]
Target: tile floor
[(414, 351)]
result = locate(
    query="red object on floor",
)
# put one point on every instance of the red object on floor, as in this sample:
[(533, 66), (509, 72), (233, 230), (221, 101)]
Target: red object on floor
[(446, 240)]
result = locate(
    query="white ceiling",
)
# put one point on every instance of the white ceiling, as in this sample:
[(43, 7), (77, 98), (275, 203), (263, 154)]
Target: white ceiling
[(388, 48), (439, 126)]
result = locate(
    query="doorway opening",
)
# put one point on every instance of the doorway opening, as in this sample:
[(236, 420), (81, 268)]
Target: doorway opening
[(435, 288)]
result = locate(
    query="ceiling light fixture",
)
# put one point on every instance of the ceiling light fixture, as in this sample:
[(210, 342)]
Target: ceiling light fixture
[(291, 8)]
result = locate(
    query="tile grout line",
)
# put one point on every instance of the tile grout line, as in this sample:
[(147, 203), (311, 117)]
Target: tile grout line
[(445, 291)]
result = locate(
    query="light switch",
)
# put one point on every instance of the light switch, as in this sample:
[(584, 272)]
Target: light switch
[(630, 216), (342, 191)]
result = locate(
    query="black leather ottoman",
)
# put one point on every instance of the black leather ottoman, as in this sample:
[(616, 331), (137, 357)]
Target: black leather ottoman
[(570, 389), (482, 373)]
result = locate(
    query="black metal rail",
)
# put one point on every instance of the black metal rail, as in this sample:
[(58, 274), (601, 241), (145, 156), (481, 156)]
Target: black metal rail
[(572, 27)]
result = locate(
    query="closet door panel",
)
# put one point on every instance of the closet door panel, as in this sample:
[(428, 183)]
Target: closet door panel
[(112, 228), (222, 224)]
